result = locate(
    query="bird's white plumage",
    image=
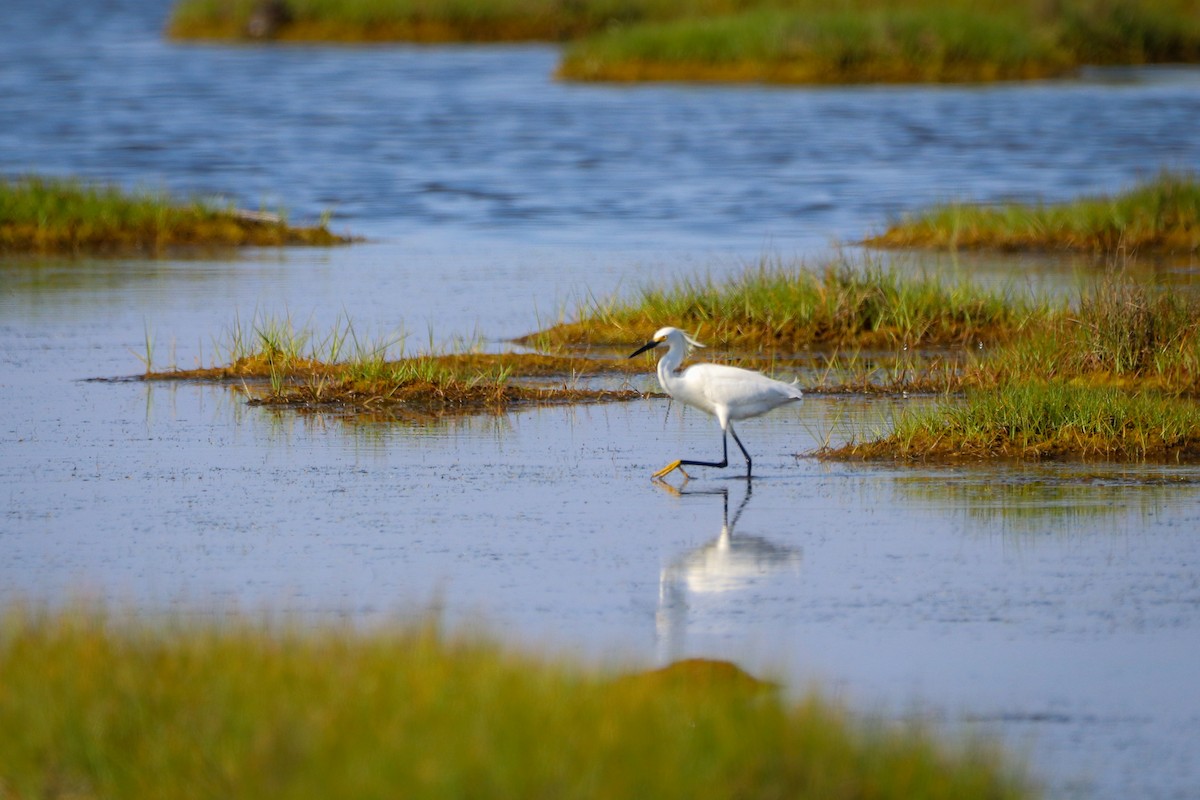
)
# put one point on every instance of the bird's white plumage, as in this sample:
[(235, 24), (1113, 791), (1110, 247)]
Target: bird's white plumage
[(724, 392), (727, 393)]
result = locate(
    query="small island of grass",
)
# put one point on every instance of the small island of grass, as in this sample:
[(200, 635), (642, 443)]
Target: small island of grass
[(781, 41), (280, 366), (1161, 215), (1034, 420), (53, 215)]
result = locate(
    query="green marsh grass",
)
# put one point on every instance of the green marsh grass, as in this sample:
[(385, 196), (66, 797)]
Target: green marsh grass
[(1034, 420), (787, 308), (57, 215), (903, 372), (826, 44), (1118, 334), (808, 41), (1113, 373), (805, 41), (856, 315), (279, 363), (420, 20), (96, 706), (1161, 215), (1120, 352)]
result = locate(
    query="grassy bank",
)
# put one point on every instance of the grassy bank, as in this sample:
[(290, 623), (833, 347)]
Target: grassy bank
[(802, 41), (787, 308), (50, 215), (1035, 420), (1161, 215), (97, 707)]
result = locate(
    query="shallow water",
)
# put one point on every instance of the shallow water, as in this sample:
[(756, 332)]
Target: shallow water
[(1055, 606)]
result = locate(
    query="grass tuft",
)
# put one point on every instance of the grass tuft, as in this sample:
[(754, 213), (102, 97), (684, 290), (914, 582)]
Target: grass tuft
[(1119, 334), (789, 308)]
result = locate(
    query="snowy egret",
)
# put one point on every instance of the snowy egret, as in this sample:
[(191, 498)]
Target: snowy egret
[(727, 393)]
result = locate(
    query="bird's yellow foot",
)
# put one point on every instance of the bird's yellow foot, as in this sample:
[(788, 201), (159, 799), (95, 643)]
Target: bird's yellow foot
[(669, 468)]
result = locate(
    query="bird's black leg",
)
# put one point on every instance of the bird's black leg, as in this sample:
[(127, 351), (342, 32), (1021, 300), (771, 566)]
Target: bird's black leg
[(743, 448), (724, 462)]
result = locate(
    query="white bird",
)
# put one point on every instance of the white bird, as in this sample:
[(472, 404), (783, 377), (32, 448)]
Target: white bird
[(727, 393)]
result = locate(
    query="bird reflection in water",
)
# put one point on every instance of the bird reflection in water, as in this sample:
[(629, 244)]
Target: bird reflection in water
[(717, 570)]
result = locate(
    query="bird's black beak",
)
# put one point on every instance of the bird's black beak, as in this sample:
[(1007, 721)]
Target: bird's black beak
[(644, 348)]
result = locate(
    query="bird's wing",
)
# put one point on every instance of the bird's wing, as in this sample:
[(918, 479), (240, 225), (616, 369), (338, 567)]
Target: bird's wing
[(732, 386)]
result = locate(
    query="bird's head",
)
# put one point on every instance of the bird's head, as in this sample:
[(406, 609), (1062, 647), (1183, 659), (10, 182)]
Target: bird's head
[(672, 337)]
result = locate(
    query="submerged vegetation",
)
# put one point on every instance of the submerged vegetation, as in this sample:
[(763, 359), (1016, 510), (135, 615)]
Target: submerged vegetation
[(52, 215), (1158, 216), (119, 708), (804, 41)]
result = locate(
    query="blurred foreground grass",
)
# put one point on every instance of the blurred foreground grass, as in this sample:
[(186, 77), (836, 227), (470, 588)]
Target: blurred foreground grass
[(93, 706)]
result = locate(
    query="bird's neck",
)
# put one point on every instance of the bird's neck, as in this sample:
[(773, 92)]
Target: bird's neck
[(667, 366)]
